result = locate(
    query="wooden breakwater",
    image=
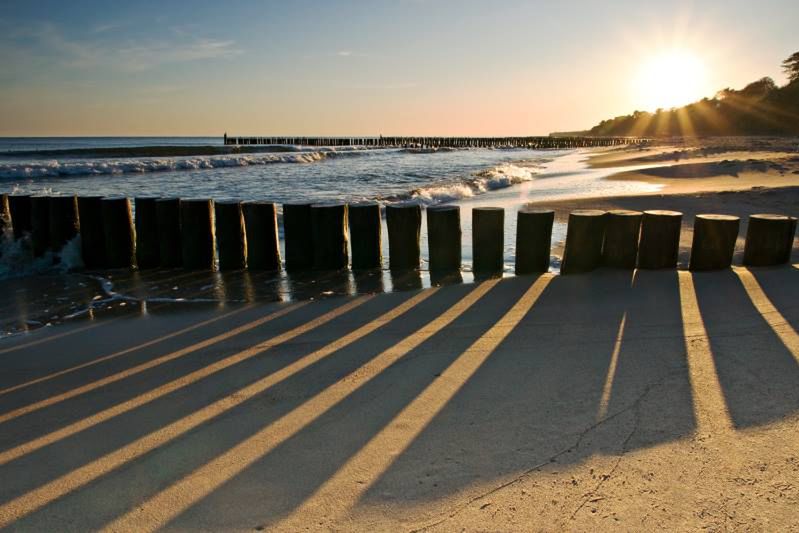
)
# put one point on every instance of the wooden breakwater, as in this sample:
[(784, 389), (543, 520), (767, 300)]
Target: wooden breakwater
[(232, 235), (538, 143)]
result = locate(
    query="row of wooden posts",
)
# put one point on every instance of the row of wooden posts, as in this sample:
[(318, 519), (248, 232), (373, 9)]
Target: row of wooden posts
[(438, 142), (169, 232)]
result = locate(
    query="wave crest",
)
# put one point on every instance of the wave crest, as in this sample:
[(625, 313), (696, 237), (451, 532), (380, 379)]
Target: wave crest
[(499, 177), (56, 168)]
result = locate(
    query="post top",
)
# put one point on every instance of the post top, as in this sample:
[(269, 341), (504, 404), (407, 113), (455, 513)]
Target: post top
[(624, 213), (770, 216), (662, 213), (587, 213), (729, 218), (492, 209), (529, 209)]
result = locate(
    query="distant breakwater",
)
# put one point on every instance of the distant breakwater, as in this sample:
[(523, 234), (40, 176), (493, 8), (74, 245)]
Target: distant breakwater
[(536, 143)]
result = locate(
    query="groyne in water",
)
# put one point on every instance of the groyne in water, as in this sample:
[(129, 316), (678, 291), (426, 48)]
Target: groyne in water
[(200, 234), (536, 143)]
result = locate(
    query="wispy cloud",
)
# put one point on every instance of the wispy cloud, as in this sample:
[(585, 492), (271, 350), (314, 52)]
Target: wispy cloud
[(97, 51)]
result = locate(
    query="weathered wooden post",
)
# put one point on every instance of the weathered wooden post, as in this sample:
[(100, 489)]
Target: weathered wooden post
[(533, 239), (19, 207), (444, 238), (118, 231), (170, 243), (329, 227), (584, 236), (298, 236), (404, 223), (92, 236), (769, 240), (197, 233), (622, 229), (40, 224), (64, 222), (263, 246), (714, 242), (147, 241), (660, 239), (365, 235), (230, 237), (488, 239)]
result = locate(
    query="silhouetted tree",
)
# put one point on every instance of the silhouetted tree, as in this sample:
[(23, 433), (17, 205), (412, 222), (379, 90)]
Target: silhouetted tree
[(791, 67)]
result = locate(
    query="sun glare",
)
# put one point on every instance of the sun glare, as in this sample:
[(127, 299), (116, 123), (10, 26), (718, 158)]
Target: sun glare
[(671, 79)]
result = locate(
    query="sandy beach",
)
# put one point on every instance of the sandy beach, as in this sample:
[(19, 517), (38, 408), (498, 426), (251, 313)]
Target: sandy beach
[(713, 177)]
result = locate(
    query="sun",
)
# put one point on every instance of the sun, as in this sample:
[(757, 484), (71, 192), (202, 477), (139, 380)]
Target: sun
[(671, 78)]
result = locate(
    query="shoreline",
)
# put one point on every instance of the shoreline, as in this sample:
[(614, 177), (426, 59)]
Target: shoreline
[(767, 184)]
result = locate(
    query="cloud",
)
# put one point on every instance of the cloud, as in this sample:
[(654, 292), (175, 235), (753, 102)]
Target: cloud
[(46, 42), (145, 56)]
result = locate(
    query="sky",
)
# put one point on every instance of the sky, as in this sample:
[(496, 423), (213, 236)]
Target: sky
[(402, 67)]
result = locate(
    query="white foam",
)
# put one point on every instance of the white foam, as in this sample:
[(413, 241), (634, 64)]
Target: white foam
[(16, 257), (499, 177), (95, 167)]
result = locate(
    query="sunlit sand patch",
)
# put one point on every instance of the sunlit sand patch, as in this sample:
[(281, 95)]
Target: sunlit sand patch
[(338, 494), (181, 382), (710, 407), (126, 351), (35, 499), (144, 366), (770, 314), (604, 400), (173, 500)]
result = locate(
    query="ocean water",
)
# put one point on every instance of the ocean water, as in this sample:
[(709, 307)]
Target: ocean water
[(205, 168), (39, 292)]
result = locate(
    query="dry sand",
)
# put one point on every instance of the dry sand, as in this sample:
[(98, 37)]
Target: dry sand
[(714, 177), (665, 401)]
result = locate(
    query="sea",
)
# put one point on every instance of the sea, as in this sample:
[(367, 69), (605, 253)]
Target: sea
[(203, 167), (46, 290)]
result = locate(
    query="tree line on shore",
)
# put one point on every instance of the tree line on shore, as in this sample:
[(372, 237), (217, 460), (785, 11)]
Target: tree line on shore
[(760, 108)]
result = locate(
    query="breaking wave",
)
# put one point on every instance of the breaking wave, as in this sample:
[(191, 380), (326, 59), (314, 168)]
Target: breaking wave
[(95, 167), (499, 177)]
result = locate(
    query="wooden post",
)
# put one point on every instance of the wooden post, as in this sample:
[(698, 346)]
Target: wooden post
[(298, 236), (365, 233), (584, 236), (660, 239), (197, 233), (40, 224), (147, 238), (170, 243), (118, 231), (329, 227), (488, 239), (263, 246), (92, 236), (769, 240), (714, 241), (444, 238), (64, 222), (404, 224), (533, 239), (19, 207), (622, 229), (230, 237)]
